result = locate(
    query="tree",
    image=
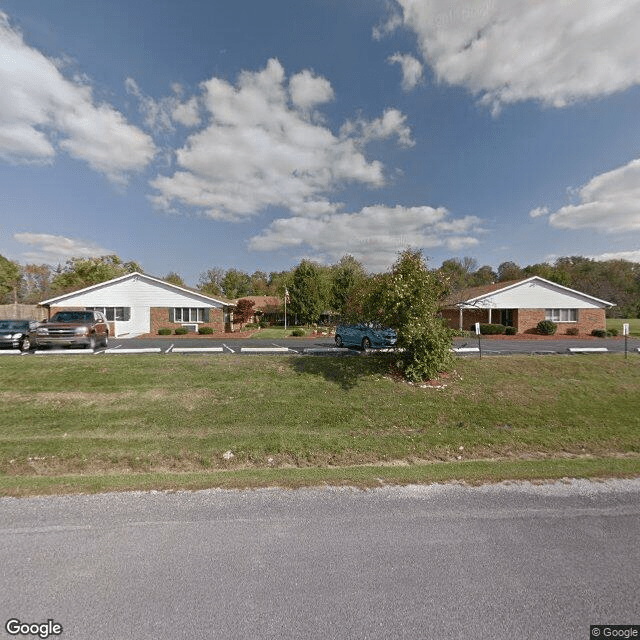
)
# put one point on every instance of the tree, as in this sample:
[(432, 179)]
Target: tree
[(174, 278), (35, 283), (345, 277), (84, 272), (407, 299), (484, 275), (210, 282), (9, 280), (235, 284), (457, 274), (243, 311), (308, 292), (258, 284), (509, 271)]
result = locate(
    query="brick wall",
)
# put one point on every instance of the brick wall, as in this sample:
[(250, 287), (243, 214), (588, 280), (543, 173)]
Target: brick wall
[(160, 319), (526, 320)]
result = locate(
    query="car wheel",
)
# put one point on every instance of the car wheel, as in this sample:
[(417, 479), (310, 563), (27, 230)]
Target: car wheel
[(366, 344), (25, 344), (338, 341)]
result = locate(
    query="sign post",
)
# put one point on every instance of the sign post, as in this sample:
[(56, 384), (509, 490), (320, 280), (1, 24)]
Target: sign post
[(478, 334), (625, 333)]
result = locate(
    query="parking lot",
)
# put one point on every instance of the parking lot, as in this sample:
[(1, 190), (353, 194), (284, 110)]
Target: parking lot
[(320, 346)]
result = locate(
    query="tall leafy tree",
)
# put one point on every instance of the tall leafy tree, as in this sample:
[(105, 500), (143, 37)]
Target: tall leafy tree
[(235, 284), (407, 299), (509, 271), (308, 292), (346, 275), (9, 280), (84, 272)]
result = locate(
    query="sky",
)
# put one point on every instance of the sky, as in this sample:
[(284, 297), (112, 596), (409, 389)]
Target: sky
[(205, 134)]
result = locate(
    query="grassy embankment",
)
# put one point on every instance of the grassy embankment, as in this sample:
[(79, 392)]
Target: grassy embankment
[(98, 423)]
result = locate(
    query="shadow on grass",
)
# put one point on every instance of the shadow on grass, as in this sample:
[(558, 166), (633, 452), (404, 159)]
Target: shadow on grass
[(344, 370)]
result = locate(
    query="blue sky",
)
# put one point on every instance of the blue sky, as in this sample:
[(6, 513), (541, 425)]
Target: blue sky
[(202, 134)]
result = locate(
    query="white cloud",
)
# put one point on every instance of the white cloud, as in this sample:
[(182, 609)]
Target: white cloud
[(159, 115), (308, 90), (393, 22), (539, 212), (629, 256), (260, 149), (40, 108), (373, 235), (507, 51), (609, 203), (412, 70), (53, 249), (392, 123)]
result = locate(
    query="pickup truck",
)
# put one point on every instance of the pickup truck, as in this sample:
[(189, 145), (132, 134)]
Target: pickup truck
[(73, 328)]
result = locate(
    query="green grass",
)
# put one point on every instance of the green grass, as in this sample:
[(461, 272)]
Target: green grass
[(616, 323), (272, 333), (99, 423)]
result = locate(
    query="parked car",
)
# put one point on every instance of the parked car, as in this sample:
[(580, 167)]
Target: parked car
[(16, 334), (73, 328), (365, 335)]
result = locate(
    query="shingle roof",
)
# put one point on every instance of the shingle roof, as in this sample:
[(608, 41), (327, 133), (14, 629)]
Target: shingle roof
[(474, 292)]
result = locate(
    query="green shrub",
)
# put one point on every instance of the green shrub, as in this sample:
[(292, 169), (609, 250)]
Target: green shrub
[(492, 329), (252, 325), (164, 331), (573, 331), (599, 333), (510, 331), (205, 331), (181, 331), (263, 324), (547, 327), (298, 333), (612, 332)]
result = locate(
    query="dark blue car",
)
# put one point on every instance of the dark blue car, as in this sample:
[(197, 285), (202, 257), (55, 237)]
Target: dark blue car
[(365, 335)]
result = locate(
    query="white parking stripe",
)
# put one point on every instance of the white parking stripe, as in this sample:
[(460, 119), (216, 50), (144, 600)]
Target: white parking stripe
[(64, 352), (230, 349), (197, 350), (265, 349), (145, 350), (10, 352)]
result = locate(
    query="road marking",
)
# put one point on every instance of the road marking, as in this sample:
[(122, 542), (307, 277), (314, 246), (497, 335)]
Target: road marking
[(145, 350), (197, 350), (11, 352), (169, 349), (588, 349), (466, 350), (265, 349), (64, 352), (230, 349)]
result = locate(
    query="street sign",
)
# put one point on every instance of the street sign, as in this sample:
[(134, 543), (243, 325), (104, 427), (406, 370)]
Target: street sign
[(477, 328), (625, 329)]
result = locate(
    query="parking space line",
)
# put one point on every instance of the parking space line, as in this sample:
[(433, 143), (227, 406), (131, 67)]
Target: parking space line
[(144, 350), (230, 349), (265, 349), (11, 352), (64, 352), (197, 350)]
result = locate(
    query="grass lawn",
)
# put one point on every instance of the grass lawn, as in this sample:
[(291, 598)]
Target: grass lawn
[(103, 422), (278, 333), (616, 323)]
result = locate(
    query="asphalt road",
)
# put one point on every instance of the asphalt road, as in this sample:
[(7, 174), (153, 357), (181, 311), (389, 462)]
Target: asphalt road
[(325, 346), (444, 561)]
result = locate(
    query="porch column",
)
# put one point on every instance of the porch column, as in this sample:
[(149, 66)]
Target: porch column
[(489, 315), (460, 318)]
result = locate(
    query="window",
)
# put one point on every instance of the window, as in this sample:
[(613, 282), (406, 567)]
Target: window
[(186, 314), (561, 315), (114, 313)]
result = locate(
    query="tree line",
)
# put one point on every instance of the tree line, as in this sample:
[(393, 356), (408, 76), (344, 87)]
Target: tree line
[(315, 289)]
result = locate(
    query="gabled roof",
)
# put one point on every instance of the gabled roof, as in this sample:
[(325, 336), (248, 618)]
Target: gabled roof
[(474, 295), (262, 302), (128, 276)]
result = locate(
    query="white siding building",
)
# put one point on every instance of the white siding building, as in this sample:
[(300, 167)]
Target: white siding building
[(136, 304)]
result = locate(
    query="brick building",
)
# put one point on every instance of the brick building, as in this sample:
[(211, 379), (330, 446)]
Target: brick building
[(524, 303), (136, 304)]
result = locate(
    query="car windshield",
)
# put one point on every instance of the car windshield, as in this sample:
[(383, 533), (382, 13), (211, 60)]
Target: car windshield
[(13, 325), (73, 316)]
